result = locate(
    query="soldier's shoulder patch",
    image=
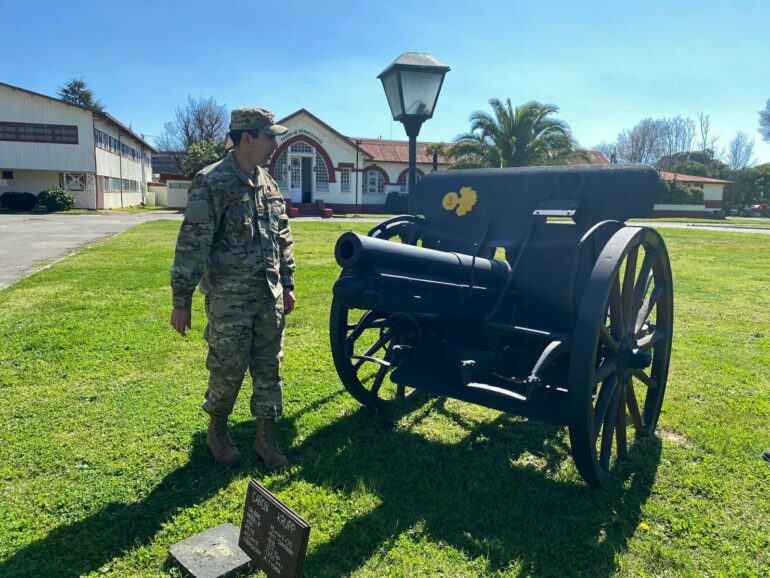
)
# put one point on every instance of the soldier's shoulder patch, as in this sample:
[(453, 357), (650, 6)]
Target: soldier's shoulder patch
[(198, 212)]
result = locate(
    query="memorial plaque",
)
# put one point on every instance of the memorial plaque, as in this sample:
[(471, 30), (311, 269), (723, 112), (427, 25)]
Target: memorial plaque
[(273, 536)]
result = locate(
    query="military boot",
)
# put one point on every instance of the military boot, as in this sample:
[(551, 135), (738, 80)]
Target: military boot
[(266, 445), (219, 442)]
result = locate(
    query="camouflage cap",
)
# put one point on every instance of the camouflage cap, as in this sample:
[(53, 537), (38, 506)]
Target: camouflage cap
[(254, 119)]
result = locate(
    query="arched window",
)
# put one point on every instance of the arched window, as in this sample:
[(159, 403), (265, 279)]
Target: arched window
[(301, 147), (321, 174), (403, 178), (373, 182)]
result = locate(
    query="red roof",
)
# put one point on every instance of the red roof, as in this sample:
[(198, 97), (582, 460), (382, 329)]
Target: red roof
[(666, 176), (395, 151)]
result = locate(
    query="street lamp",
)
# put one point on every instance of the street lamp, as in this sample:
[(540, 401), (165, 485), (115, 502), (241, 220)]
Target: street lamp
[(412, 84)]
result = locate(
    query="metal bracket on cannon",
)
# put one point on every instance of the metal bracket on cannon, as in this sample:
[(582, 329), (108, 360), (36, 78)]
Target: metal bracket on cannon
[(557, 208)]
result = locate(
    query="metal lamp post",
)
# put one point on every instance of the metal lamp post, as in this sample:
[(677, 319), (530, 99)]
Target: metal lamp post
[(358, 147), (412, 84)]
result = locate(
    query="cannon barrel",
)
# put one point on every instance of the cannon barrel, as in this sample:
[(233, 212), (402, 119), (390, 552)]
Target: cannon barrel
[(354, 251), (396, 277)]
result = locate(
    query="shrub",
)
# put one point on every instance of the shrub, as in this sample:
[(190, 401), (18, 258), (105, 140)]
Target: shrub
[(397, 203), (56, 199), (18, 201), (676, 193)]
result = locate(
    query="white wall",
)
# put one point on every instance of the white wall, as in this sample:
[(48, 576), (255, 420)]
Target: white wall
[(36, 181), (20, 106), (30, 181), (114, 200), (712, 191), (160, 192), (177, 194), (109, 164), (690, 208)]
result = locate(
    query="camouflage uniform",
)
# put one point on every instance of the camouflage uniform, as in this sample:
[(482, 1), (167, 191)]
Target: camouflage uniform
[(235, 240)]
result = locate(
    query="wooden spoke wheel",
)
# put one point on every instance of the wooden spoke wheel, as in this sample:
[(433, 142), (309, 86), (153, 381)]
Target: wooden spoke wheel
[(365, 346), (620, 351)]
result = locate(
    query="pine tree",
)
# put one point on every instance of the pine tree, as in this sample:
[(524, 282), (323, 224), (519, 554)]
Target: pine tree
[(76, 91)]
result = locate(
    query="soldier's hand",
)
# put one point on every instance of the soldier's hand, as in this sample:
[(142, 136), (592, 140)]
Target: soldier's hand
[(181, 320), (288, 301)]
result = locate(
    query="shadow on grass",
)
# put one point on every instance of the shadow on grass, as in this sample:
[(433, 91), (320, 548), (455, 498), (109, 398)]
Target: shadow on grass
[(494, 495), (478, 495)]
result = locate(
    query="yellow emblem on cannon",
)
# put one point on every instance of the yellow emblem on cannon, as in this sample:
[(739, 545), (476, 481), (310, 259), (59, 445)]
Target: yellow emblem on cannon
[(463, 202)]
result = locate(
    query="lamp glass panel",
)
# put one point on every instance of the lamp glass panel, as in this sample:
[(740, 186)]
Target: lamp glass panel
[(390, 84), (420, 91)]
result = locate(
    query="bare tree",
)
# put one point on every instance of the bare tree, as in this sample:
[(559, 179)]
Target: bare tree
[(608, 148), (643, 143), (678, 135), (741, 151), (706, 140), (201, 119), (764, 122)]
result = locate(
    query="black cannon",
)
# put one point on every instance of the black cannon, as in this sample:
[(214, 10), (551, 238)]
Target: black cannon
[(521, 290)]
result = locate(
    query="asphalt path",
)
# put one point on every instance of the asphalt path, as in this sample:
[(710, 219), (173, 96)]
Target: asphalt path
[(31, 241)]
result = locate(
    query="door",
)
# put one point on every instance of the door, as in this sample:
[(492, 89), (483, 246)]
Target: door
[(307, 179)]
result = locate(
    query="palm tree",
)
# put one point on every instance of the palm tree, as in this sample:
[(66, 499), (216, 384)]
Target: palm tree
[(519, 137), (435, 150)]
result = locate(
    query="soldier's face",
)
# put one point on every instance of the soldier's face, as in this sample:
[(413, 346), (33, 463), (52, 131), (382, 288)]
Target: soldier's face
[(262, 147)]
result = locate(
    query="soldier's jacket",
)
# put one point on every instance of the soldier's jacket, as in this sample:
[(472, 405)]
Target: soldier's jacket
[(235, 238)]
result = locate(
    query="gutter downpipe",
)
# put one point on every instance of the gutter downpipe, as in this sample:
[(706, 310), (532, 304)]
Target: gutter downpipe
[(96, 167), (120, 160)]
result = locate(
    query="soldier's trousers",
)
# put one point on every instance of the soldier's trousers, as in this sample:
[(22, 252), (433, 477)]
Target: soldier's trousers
[(241, 335)]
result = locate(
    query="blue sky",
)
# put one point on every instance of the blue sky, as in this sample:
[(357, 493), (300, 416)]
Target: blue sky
[(607, 64)]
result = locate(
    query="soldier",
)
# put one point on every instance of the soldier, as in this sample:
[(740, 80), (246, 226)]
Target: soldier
[(235, 241)]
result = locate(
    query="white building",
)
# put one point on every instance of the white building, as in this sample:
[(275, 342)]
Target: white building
[(46, 142), (314, 162), (713, 194)]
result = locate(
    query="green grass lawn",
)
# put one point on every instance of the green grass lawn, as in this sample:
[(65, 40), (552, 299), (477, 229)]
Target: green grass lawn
[(747, 222), (104, 463), (138, 209)]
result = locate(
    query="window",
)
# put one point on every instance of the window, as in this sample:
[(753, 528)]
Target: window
[(130, 186), (373, 182), (295, 172), (108, 143), (301, 147), (31, 132), (403, 180), (345, 180), (73, 182), (7, 175), (321, 174), (281, 171), (112, 184)]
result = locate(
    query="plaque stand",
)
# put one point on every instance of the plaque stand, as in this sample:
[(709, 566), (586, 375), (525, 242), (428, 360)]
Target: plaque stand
[(273, 535), (211, 554)]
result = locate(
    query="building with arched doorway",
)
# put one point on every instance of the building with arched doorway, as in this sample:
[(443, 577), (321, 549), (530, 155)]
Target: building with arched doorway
[(314, 162)]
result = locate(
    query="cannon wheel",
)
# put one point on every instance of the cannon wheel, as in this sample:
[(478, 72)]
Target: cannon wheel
[(366, 344), (620, 350)]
